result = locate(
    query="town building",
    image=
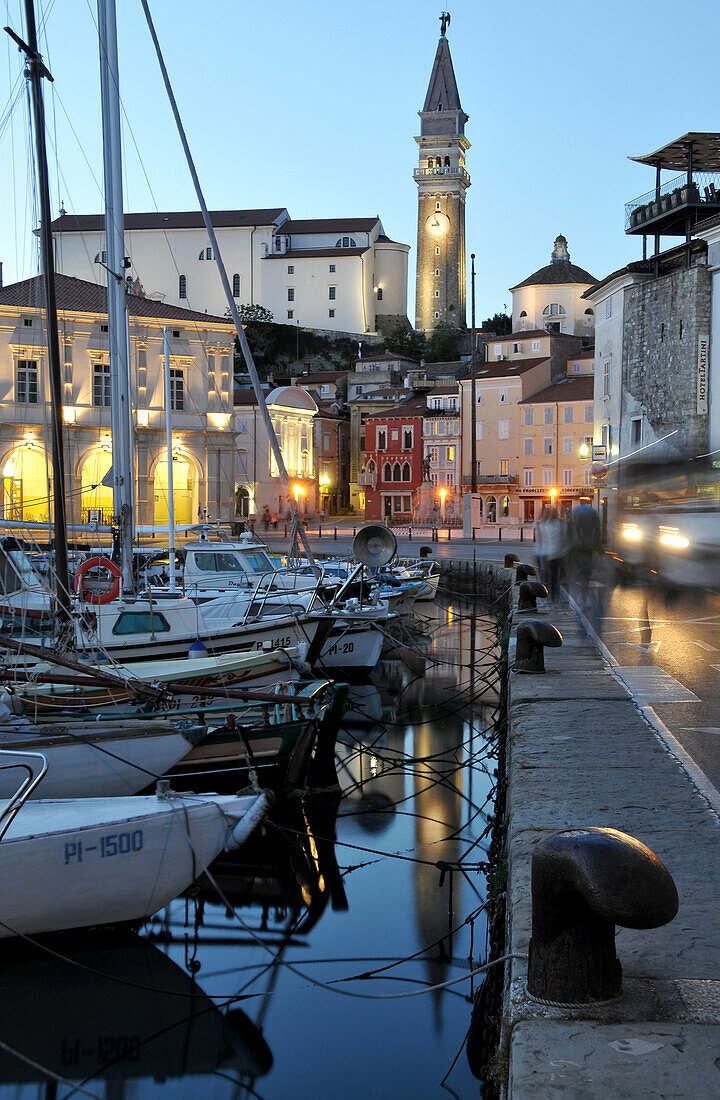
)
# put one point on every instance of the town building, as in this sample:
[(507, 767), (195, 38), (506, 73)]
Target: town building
[(394, 461), (556, 453), (442, 180), (541, 343), (332, 459), (333, 274), (326, 386), (441, 446), (258, 485), (203, 445), (552, 298)]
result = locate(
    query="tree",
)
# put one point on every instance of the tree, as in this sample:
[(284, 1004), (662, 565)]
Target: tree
[(406, 342), (255, 315), (444, 344), (499, 324)]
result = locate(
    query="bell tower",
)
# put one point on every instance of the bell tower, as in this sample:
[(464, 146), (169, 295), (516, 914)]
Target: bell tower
[(442, 182)]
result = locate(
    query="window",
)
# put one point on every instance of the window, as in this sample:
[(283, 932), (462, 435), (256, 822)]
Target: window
[(101, 257), (567, 475), (437, 271), (406, 471), (491, 510), (395, 435), (568, 414), (588, 414), (608, 307), (291, 269), (27, 321), (503, 429), (528, 417), (208, 254), (606, 378), (331, 293), (182, 286), (547, 445), (381, 439), (332, 269), (436, 315), (548, 414), (553, 326), (101, 384), (568, 444), (331, 313), (236, 286), (636, 431), (345, 242), (517, 348), (291, 314), (554, 310), (451, 454), (176, 333), (379, 294), (407, 504), (589, 312), (177, 389), (505, 505), (536, 345), (387, 472), (437, 293), (576, 368), (397, 473), (397, 504), (528, 445), (407, 439), (498, 349), (523, 313), (503, 397), (291, 294), (437, 251), (141, 622), (528, 477), (547, 475), (504, 467), (26, 382), (478, 429)]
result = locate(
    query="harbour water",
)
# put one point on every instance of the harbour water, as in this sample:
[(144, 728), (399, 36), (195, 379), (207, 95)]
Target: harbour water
[(315, 961)]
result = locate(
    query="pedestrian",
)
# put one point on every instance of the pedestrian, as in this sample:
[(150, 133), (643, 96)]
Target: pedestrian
[(554, 543), (266, 518), (275, 521), (585, 531)]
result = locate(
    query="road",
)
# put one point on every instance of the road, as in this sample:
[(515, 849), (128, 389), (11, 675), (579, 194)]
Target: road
[(454, 549), (645, 632)]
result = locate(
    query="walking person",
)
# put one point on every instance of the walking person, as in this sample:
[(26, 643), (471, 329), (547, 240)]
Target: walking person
[(585, 530), (554, 542), (266, 518)]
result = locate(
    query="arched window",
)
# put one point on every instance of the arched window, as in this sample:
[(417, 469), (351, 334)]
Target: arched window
[(387, 472), (430, 162), (182, 286), (202, 254), (506, 506), (523, 313), (208, 253), (589, 312), (370, 468), (438, 162), (406, 472), (480, 507), (447, 162), (236, 286), (554, 310), (396, 472), (345, 242), (491, 510), (379, 294)]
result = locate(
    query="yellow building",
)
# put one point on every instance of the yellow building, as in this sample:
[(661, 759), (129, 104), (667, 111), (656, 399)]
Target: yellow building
[(556, 428), (203, 446)]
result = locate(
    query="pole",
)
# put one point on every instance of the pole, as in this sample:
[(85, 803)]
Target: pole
[(232, 305), (120, 413), (168, 446), (473, 376), (35, 70)]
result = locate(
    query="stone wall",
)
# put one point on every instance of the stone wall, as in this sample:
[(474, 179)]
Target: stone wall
[(661, 324)]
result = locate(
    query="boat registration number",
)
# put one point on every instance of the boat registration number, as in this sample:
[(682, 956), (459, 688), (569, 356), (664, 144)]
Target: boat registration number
[(277, 643), (112, 844), (341, 647)]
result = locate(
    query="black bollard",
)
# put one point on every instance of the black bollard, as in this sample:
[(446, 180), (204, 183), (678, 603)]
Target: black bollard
[(335, 535), (499, 534), (528, 593), (473, 534), (584, 882), (523, 572), (319, 531), (409, 534), (510, 560), (532, 636), (522, 533)]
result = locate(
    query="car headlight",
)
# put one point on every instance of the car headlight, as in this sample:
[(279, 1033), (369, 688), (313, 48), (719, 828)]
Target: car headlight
[(632, 532), (670, 536)]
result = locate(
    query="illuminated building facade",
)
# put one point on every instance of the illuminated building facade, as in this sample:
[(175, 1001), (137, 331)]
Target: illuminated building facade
[(201, 349), (442, 181)]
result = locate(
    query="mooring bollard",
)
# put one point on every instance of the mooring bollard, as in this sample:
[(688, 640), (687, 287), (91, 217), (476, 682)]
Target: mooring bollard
[(473, 534), (522, 533), (286, 530), (409, 534), (510, 560), (523, 571), (499, 534), (528, 593), (532, 636), (319, 531), (584, 882), (449, 531), (335, 535)]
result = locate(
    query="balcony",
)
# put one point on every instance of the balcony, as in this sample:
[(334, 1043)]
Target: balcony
[(367, 480), (445, 170), (491, 479), (668, 209)]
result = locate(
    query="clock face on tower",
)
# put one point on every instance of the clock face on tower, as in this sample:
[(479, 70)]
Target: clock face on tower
[(437, 224)]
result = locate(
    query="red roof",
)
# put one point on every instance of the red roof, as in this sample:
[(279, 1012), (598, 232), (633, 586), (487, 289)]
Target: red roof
[(79, 296), (190, 219), (579, 387), (504, 368), (330, 225)]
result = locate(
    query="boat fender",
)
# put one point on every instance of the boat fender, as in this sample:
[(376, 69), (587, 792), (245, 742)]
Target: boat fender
[(95, 597), (249, 821), (197, 649)]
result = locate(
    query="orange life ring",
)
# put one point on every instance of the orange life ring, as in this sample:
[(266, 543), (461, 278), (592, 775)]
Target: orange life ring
[(94, 597)]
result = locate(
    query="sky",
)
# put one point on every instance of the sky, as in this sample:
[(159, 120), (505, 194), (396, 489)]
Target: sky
[(314, 107)]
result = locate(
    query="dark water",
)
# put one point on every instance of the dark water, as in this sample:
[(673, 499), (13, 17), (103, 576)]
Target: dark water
[(248, 996)]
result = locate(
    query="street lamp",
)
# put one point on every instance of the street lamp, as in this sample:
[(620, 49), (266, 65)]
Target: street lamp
[(584, 450), (443, 494)]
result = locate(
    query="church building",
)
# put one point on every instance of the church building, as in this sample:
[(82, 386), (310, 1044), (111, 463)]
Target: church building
[(442, 181)]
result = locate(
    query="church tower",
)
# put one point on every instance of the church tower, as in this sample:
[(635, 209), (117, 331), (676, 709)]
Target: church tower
[(442, 182)]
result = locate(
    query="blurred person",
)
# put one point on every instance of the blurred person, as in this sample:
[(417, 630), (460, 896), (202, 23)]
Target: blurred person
[(266, 518), (553, 538), (585, 529)]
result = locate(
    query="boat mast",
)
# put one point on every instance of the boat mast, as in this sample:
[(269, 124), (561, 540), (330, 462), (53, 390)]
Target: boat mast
[(35, 71), (120, 413)]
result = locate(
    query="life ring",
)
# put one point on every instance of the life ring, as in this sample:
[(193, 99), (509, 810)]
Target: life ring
[(95, 597)]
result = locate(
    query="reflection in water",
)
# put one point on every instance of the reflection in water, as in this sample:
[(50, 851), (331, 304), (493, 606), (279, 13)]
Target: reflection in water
[(261, 979)]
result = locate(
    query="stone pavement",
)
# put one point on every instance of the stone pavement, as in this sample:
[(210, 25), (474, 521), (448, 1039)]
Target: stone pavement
[(581, 753)]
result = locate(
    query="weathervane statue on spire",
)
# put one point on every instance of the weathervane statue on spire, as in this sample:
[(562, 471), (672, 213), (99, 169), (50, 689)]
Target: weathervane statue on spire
[(444, 22)]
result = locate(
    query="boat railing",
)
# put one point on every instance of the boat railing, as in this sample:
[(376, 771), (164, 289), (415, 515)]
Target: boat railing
[(35, 764)]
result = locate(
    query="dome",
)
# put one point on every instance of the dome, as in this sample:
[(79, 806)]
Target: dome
[(292, 397)]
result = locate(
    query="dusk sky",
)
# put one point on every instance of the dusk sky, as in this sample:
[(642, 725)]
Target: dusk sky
[(314, 107)]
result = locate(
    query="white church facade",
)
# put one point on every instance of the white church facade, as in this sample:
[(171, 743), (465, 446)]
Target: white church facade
[(343, 275)]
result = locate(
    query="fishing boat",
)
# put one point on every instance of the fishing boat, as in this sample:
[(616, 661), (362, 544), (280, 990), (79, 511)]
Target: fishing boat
[(79, 863)]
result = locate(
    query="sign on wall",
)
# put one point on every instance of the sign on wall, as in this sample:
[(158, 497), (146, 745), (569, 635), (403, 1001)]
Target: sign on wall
[(702, 373)]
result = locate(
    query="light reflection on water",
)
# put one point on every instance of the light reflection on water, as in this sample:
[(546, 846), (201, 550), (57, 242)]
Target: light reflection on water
[(331, 910)]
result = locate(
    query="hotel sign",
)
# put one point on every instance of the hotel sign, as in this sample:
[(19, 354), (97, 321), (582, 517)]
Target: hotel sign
[(702, 373)]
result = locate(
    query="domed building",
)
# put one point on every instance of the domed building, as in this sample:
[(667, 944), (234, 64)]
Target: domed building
[(552, 298)]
